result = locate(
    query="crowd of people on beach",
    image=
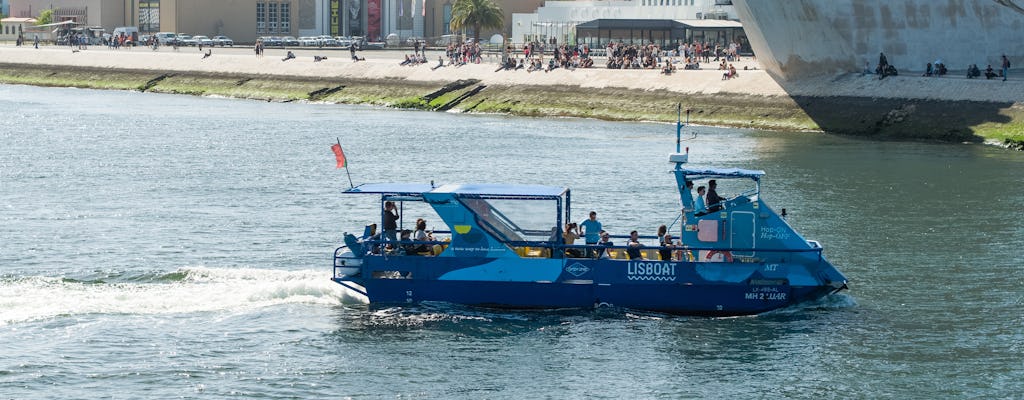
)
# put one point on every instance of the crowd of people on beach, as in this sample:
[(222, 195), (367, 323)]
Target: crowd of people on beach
[(622, 56)]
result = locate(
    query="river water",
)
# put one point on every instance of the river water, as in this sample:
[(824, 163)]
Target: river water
[(159, 246)]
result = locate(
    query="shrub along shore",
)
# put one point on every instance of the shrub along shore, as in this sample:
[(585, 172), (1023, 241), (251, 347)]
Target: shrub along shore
[(751, 101)]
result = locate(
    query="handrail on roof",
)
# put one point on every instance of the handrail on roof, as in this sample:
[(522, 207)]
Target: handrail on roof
[(463, 190)]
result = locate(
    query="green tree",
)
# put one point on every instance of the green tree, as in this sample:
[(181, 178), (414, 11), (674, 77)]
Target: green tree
[(476, 14), (45, 17)]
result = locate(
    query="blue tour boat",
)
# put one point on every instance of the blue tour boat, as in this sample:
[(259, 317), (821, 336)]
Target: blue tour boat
[(503, 248)]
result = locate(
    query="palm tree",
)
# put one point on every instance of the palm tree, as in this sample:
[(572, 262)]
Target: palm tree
[(476, 14)]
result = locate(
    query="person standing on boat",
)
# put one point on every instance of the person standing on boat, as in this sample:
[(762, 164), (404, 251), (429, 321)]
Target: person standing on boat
[(713, 199), (592, 231), (633, 246), (390, 221)]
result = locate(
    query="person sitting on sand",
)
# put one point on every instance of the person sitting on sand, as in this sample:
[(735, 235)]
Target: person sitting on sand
[(288, 56), (208, 53), (989, 72), (730, 73), (973, 71), (319, 58), (440, 63)]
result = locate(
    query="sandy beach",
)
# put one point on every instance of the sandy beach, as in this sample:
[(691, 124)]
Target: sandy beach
[(384, 64)]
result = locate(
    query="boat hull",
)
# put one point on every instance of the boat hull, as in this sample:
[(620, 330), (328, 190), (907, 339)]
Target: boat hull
[(705, 289)]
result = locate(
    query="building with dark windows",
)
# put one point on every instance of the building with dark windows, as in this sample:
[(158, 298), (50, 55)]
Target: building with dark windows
[(245, 20), (662, 32)]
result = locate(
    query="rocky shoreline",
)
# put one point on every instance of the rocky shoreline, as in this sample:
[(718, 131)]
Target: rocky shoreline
[(755, 101)]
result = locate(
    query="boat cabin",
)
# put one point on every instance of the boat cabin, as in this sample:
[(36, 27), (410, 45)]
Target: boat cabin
[(489, 220)]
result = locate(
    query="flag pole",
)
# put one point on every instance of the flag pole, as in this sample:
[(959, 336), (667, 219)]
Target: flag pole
[(350, 185)]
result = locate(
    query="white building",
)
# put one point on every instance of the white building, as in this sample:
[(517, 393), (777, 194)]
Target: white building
[(558, 19), (12, 27)]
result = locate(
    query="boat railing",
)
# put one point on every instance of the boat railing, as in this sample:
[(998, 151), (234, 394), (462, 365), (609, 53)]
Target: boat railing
[(400, 247), (648, 252), (544, 249)]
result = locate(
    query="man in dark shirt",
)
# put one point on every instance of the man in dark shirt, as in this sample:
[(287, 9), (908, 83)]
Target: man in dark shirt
[(713, 199), (390, 221), (633, 246)]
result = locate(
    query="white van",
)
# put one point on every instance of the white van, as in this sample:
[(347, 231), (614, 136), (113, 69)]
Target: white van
[(132, 32)]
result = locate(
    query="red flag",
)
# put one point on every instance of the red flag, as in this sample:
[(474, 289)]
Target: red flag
[(340, 155)]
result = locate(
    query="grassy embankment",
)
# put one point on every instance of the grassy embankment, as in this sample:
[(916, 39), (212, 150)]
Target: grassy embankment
[(890, 120)]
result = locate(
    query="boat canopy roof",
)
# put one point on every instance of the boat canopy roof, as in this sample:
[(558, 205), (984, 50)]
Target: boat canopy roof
[(701, 173), (468, 190), (503, 190), (391, 188)]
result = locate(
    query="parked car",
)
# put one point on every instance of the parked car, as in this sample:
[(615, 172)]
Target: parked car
[(271, 41), (328, 41), (185, 40), (343, 41), (290, 41), (166, 38), (202, 40), (221, 40), (308, 41)]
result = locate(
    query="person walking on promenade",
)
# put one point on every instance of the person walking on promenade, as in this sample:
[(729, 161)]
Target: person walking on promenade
[(1006, 67)]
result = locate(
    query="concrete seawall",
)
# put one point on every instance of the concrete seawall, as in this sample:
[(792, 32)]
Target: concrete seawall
[(799, 38), (901, 108)]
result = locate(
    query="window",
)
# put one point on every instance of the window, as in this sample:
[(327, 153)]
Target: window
[(286, 21), (272, 17), (514, 220), (447, 18), (149, 16), (261, 17)]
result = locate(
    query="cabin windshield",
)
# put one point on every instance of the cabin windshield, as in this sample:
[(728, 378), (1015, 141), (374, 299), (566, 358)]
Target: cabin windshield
[(732, 188), (516, 220)]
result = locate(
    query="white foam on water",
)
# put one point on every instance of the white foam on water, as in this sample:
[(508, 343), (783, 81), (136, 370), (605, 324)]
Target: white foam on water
[(201, 289)]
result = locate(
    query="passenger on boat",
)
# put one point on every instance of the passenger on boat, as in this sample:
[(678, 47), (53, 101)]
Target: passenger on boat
[(569, 237), (700, 208), (390, 221), (662, 231), (668, 245), (606, 242), (592, 231), (405, 240), (633, 246), (421, 235), (713, 199)]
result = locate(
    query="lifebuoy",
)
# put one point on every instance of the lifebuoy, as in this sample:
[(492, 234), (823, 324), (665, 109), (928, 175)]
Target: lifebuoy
[(725, 253)]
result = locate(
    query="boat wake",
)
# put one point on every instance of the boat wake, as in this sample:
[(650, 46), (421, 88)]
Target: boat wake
[(186, 290)]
